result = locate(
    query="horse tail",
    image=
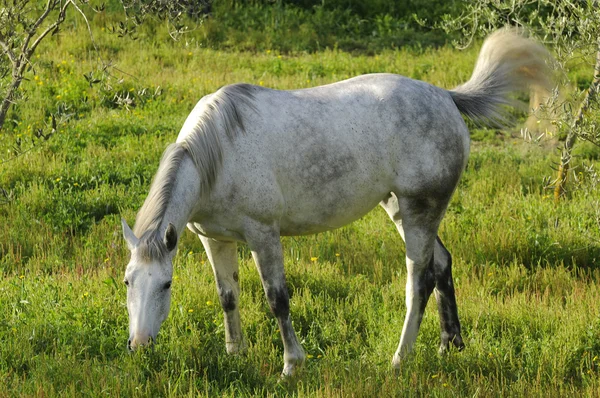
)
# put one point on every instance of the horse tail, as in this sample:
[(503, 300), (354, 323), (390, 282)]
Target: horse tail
[(508, 62)]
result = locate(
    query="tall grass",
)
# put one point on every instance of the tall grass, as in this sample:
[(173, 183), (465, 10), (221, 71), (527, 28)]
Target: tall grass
[(526, 271)]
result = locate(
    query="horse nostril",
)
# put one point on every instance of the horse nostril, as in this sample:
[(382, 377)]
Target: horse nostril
[(129, 345)]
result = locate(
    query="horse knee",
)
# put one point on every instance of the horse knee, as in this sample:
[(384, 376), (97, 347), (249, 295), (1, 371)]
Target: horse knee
[(442, 266), (228, 298), (441, 255), (419, 287), (428, 282), (279, 301)]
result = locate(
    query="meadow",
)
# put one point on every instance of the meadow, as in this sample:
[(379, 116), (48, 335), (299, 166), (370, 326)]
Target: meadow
[(527, 270)]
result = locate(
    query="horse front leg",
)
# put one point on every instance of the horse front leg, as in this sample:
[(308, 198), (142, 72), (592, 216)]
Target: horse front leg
[(224, 261), (265, 244)]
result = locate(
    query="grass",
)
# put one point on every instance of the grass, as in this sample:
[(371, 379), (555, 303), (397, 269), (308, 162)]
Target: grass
[(526, 270), (311, 25)]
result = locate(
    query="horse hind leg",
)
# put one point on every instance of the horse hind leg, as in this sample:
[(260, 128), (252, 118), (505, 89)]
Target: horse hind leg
[(224, 262), (417, 221), (446, 299)]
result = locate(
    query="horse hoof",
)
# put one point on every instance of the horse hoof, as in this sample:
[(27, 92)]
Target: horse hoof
[(289, 372), (237, 347), (396, 363), (292, 364), (457, 342)]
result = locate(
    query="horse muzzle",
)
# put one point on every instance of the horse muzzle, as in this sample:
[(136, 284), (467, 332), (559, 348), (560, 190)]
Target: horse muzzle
[(139, 341)]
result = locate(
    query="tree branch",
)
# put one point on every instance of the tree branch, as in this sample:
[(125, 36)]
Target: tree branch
[(87, 23), (59, 20), (34, 27), (8, 51), (592, 91)]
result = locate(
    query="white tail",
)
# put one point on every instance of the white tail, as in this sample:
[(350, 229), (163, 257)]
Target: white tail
[(508, 63)]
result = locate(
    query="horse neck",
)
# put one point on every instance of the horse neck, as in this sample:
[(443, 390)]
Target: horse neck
[(184, 197)]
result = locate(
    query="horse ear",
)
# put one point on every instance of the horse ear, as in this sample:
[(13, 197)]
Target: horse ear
[(171, 237), (129, 236)]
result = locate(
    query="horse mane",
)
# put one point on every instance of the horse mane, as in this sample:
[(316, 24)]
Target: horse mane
[(221, 114), (204, 145), (153, 210)]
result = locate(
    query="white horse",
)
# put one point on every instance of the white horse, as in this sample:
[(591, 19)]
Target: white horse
[(251, 164)]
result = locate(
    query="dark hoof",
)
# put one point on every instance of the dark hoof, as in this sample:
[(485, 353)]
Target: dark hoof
[(456, 340), (458, 343)]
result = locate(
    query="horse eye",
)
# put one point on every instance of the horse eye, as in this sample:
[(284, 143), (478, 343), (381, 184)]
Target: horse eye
[(126, 282), (167, 285)]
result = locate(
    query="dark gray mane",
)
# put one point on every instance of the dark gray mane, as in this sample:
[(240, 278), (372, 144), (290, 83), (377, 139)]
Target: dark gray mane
[(204, 145)]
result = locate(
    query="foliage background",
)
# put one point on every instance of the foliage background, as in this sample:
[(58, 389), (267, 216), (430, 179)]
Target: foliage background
[(526, 271)]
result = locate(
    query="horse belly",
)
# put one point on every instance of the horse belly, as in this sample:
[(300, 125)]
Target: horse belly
[(313, 205), (322, 218)]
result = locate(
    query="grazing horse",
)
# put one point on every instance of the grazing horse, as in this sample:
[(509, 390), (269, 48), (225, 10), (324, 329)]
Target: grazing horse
[(252, 164)]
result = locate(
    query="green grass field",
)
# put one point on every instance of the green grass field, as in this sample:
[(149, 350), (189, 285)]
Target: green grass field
[(527, 271)]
